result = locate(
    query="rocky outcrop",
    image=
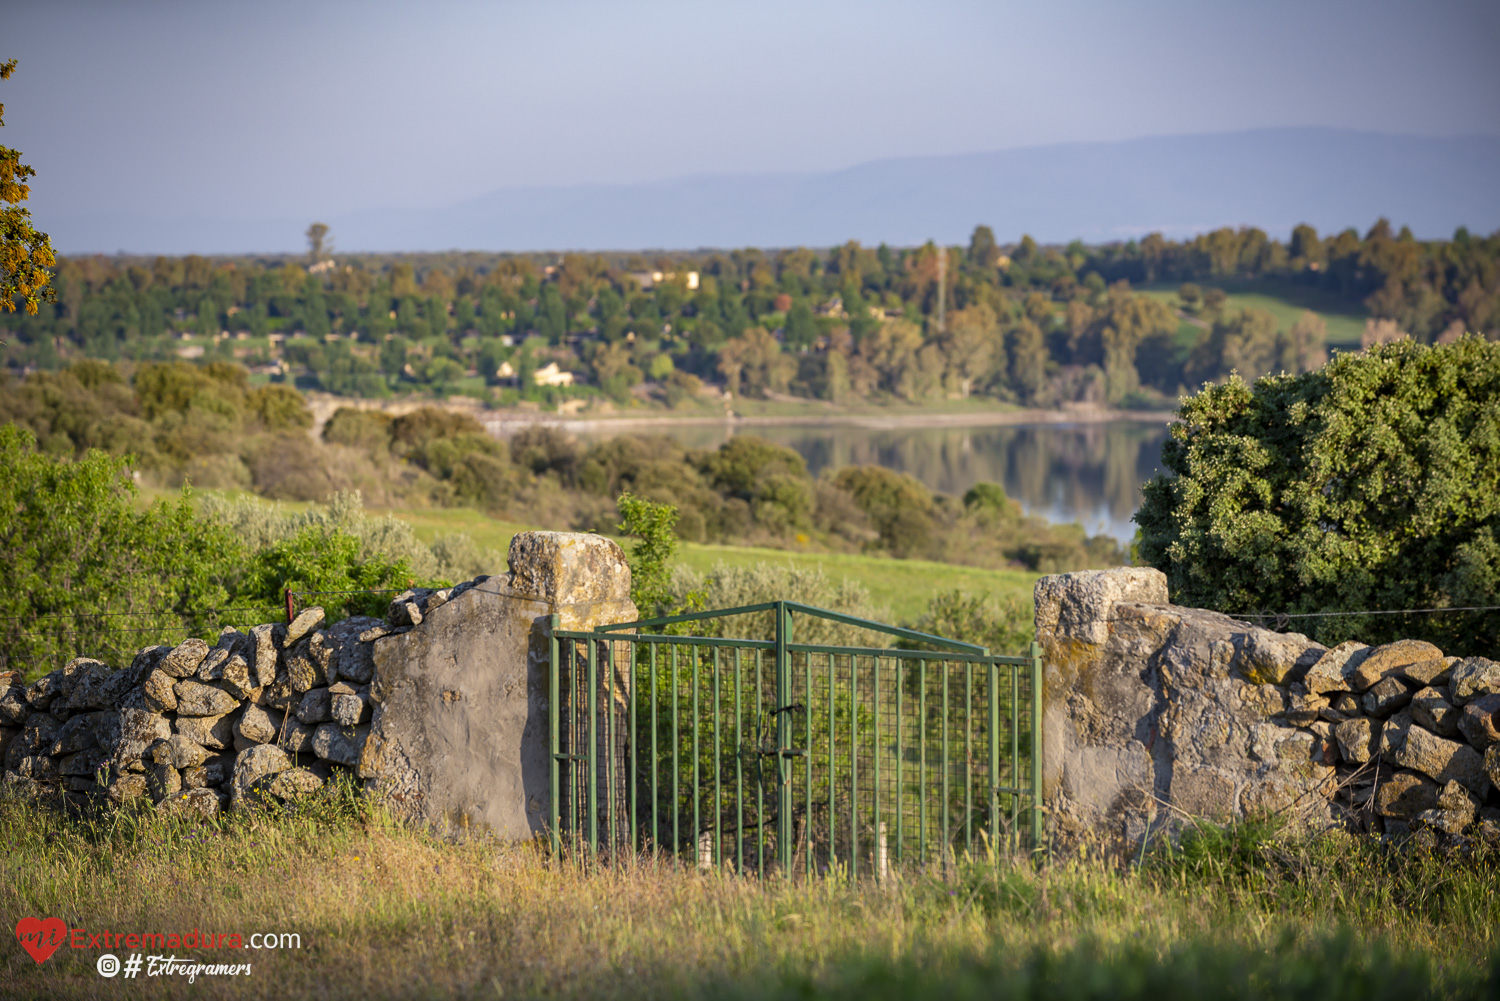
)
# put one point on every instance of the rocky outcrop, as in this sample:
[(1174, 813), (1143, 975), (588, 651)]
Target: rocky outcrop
[(1156, 715), (439, 708)]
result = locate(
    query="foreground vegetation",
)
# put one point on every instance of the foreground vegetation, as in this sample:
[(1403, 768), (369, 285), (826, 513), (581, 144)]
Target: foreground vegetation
[(1372, 484), (384, 911)]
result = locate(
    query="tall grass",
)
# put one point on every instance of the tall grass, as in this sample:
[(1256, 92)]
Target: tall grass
[(386, 911)]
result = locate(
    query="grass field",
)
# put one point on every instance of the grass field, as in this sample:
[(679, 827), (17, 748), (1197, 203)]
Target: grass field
[(903, 586), (1285, 302), (384, 911)]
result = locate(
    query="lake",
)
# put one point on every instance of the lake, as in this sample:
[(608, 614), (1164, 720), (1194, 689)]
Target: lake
[(1085, 472)]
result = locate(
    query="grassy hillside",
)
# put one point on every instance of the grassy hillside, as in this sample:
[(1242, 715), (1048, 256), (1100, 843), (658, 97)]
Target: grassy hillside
[(905, 586), (1285, 302)]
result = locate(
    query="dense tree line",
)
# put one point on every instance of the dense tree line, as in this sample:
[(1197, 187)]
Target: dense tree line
[(1021, 323)]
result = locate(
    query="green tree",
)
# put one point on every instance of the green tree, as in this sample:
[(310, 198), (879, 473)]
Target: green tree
[(318, 245), (982, 249), (801, 327), (25, 253), (1370, 484)]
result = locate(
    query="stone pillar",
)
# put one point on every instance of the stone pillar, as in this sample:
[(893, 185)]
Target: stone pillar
[(459, 735), (1154, 715)]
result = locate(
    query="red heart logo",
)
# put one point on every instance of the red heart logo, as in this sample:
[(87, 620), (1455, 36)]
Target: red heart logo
[(41, 937)]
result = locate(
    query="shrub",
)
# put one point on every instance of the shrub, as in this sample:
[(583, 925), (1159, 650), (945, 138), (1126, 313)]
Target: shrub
[(1003, 626), (1371, 484), (88, 572)]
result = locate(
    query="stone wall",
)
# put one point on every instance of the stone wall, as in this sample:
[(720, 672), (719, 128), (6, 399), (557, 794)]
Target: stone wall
[(1156, 716), (439, 708)]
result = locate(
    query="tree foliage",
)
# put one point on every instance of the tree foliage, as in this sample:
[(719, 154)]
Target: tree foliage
[(1370, 484), (25, 253)]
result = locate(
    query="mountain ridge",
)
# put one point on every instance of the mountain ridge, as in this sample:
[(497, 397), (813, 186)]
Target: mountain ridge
[(1096, 191)]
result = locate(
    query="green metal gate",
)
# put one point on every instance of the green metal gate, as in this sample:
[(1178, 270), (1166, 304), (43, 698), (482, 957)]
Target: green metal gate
[(766, 755)]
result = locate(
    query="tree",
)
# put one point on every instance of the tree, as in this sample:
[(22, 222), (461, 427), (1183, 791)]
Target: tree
[(755, 361), (972, 345), (1027, 347), (25, 253), (1301, 349), (982, 249), (1244, 342), (1371, 484), (318, 247)]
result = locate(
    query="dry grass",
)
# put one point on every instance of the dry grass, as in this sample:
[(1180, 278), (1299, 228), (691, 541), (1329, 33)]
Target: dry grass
[(384, 911)]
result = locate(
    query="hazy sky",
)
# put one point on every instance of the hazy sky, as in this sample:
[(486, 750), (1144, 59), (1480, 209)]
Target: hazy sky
[(310, 109)]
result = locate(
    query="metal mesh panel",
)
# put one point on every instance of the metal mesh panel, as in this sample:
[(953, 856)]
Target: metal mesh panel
[(756, 756)]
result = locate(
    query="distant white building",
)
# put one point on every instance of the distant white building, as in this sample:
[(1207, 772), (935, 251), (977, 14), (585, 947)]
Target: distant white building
[(551, 375), (650, 279)]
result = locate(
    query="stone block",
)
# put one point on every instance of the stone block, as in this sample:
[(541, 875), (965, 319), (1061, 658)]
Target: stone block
[(305, 622), (1330, 673), (1356, 740), (210, 731), (339, 744), (195, 698), (1480, 721), (1405, 795), (1430, 708), (252, 765), (1385, 697), (1430, 673), (1391, 659), (160, 692), (196, 802), (13, 705), (315, 707), (263, 652), (1443, 760), (256, 726), (185, 658), (1473, 677)]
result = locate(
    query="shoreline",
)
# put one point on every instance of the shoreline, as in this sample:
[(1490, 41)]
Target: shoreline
[(510, 423), (502, 423)]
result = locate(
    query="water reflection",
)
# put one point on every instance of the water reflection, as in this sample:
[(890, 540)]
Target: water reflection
[(1089, 473)]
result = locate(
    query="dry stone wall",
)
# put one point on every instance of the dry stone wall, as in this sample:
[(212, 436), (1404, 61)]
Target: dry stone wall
[(1156, 715), (451, 684)]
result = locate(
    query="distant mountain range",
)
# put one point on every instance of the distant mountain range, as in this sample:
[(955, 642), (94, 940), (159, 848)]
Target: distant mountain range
[(1178, 185)]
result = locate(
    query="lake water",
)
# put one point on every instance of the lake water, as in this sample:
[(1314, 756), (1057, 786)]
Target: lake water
[(1087, 472)]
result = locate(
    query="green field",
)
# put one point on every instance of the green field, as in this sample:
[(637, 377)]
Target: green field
[(1285, 302), (903, 586)]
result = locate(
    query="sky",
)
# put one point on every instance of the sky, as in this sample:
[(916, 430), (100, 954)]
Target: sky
[(308, 110)]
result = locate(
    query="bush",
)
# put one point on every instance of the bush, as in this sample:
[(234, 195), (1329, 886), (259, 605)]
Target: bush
[(89, 574), (1003, 626), (1371, 484), (261, 526)]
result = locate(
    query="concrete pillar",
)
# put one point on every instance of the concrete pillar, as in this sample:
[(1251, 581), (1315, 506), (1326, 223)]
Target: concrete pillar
[(459, 735)]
